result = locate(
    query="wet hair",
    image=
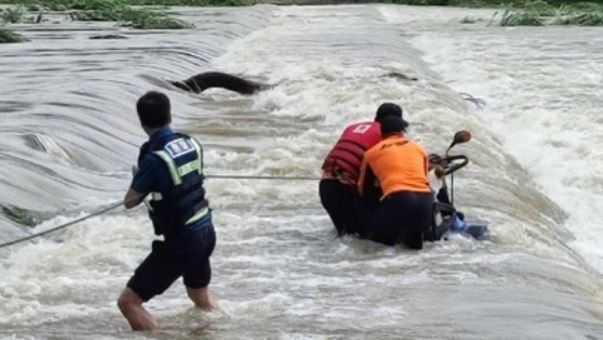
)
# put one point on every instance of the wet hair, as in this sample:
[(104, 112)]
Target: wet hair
[(154, 109), (392, 124), (386, 110)]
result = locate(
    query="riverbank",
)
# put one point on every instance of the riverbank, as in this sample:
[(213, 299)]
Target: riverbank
[(92, 4), (515, 12)]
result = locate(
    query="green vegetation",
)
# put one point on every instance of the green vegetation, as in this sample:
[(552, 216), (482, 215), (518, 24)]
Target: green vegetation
[(9, 36), (120, 11), (12, 15), (521, 18), (104, 10), (8, 16), (581, 19), (539, 12), (492, 3), (193, 2), (529, 12), (64, 5), (128, 16), (516, 12)]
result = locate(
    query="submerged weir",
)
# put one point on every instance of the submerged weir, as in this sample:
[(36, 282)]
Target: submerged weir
[(70, 135)]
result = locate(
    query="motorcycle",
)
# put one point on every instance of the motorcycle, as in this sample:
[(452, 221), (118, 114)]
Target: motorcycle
[(447, 219)]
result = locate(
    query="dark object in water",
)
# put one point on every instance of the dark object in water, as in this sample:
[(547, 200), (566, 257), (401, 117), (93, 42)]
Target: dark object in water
[(203, 81), (400, 75), (480, 103), (108, 36)]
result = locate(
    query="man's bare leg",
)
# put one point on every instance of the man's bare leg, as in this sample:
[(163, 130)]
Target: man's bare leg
[(201, 298), (131, 307)]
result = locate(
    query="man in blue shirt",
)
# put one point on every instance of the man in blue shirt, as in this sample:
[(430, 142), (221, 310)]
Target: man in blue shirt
[(171, 171)]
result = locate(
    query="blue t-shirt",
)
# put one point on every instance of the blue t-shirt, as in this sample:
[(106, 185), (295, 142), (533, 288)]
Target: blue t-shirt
[(153, 175)]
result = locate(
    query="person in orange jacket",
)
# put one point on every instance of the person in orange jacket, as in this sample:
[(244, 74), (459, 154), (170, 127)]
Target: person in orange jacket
[(400, 167), (341, 168)]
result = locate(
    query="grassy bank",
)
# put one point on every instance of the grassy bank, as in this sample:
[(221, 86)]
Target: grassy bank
[(491, 3), (89, 4), (9, 36), (120, 11), (193, 2), (62, 5), (540, 13), (515, 12), (9, 16), (528, 12)]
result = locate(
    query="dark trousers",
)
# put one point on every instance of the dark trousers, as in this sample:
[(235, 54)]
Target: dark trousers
[(340, 202), (402, 217)]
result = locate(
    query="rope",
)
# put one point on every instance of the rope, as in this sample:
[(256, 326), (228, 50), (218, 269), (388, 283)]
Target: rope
[(120, 202), (284, 178), (62, 226)]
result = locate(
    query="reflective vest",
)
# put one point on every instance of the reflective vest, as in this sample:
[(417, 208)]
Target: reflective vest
[(346, 157), (184, 203)]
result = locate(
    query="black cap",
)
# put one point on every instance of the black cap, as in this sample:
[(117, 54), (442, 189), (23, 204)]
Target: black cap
[(388, 109), (392, 124)]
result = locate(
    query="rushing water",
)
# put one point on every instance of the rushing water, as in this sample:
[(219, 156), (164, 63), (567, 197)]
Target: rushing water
[(70, 134)]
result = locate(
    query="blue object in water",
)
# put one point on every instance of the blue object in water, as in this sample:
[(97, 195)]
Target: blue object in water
[(477, 231), (458, 224)]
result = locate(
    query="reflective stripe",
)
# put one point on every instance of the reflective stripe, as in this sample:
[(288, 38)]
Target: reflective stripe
[(178, 172), (196, 217), (187, 168), (171, 166), (199, 155)]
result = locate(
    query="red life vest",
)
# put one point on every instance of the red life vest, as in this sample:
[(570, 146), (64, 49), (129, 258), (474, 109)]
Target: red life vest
[(346, 157)]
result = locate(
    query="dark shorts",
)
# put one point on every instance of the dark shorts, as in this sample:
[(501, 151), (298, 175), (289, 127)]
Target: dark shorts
[(186, 254)]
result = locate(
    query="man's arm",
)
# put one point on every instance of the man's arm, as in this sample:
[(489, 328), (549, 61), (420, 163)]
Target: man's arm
[(143, 182), (133, 198), (366, 179)]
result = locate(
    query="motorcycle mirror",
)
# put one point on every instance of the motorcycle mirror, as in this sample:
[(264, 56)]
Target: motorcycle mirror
[(460, 137)]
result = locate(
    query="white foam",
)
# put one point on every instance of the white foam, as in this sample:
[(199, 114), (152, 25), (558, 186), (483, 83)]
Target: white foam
[(543, 96)]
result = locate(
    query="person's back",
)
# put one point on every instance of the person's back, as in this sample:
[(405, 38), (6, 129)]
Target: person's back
[(341, 169), (345, 158), (399, 164), (182, 194), (400, 167)]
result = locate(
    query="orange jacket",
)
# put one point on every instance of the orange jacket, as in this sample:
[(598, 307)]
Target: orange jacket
[(399, 164)]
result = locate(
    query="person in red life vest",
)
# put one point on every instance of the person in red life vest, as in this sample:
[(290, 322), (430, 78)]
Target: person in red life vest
[(400, 166), (341, 168)]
